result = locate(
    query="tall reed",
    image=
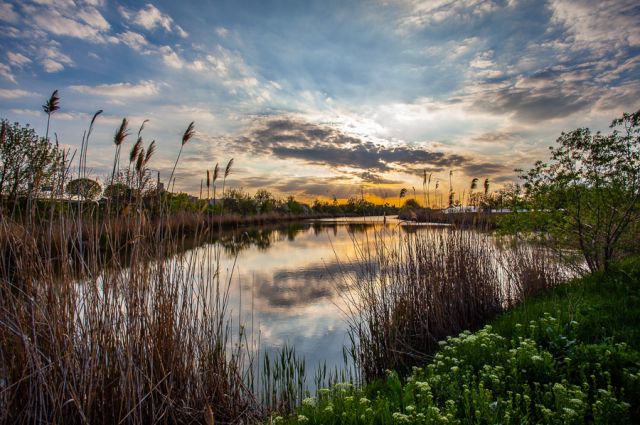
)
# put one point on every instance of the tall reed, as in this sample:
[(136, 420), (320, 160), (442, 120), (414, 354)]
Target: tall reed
[(407, 292), (103, 320)]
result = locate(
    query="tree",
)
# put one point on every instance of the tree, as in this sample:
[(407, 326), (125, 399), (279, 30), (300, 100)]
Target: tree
[(27, 160), (411, 204), (118, 192), (588, 199), (265, 201), (87, 188), (293, 207)]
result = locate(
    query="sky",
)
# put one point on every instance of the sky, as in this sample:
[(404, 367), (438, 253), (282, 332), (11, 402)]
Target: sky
[(325, 98)]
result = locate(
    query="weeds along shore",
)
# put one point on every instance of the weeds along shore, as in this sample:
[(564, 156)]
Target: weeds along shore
[(405, 294), (569, 354)]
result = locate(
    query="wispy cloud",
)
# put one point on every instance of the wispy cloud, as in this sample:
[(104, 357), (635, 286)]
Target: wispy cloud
[(55, 22), (150, 18), (126, 90), (5, 72), (18, 59), (7, 13), (52, 59), (13, 94)]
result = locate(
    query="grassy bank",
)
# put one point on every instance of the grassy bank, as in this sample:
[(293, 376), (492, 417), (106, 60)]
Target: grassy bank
[(568, 355)]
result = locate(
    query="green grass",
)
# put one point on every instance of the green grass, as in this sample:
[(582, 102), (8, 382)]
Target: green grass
[(570, 355)]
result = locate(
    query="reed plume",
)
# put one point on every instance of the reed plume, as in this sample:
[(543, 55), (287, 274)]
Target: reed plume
[(188, 134), (140, 161), (227, 170), (121, 133), (474, 184), (50, 107), (150, 151), (135, 150)]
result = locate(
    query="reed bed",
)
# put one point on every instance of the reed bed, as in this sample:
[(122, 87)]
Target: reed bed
[(105, 318), (405, 293)]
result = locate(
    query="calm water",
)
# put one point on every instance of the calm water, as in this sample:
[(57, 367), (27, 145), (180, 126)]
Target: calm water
[(285, 283)]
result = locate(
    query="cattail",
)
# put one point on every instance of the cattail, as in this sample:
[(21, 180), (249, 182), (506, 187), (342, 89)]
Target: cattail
[(150, 151), (188, 134), (228, 169), (121, 133), (474, 184), (486, 186), (208, 179), (135, 150), (216, 172), (424, 178), (437, 184)]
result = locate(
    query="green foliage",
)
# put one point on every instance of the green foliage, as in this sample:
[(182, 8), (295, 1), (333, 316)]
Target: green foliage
[(118, 191), (265, 201), (588, 199), (293, 206), (26, 159), (578, 364), (87, 188), (411, 204)]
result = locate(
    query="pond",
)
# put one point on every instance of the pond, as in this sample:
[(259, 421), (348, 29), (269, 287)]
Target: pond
[(286, 280)]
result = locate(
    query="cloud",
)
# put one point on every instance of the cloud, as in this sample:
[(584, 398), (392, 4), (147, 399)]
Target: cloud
[(7, 13), (92, 17), (222, 63), (18, 59), (222, 32), (150, 18), (493, 137), (145, 88), (134, 40), (535, 104), (596, 23), (182, 33), (5, 72), (52, 59), (374, 178), (51, 66), (292, 138), (13, 94), (53, 21), (419, 14), (171, 58)]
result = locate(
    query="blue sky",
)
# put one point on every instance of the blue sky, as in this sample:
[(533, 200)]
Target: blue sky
[(323, 98)]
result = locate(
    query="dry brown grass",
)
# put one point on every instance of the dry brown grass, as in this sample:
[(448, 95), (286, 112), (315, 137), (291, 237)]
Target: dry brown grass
[(410, 292)]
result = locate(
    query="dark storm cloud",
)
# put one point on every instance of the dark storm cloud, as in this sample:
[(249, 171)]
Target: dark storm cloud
[(292, 138)]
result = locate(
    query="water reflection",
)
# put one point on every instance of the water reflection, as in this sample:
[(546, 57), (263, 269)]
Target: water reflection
[(287, 274)]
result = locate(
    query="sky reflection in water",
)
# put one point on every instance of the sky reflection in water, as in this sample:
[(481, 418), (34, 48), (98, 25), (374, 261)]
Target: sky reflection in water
[(285, 283)]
